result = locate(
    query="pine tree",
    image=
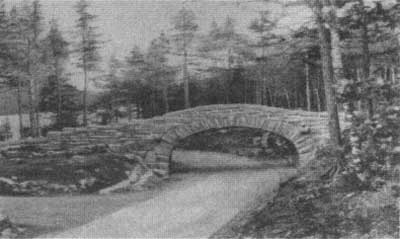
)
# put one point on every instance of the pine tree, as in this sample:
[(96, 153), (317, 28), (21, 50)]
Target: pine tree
[(134, 73), (4, 36), (30, 28), (161, 72), (328, 75), (87, 48), (185, 27), (60, 97), (227, 49), (16, 58), (263, 27), (56, 51)]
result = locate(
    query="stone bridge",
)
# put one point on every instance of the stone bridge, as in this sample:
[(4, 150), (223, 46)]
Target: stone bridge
[(153, 140), (306, 130)]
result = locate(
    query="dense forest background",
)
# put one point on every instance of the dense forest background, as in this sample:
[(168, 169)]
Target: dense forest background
[(185, 67)]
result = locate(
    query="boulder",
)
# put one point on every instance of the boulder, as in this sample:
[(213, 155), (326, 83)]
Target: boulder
[(7, 185), (134, 177), (87, 182)]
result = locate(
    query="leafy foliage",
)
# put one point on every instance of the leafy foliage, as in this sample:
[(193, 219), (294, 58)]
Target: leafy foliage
[(371, 142)]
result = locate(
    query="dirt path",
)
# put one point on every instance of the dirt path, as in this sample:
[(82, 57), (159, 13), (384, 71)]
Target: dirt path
[(189, 209)]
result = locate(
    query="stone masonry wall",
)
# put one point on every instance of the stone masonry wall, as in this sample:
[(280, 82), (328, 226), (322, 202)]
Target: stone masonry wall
[(154, 139)]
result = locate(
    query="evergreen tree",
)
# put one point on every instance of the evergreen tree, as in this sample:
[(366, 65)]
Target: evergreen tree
[(56, 52), (185, 27), (160, 73), (133, 82), (16, 61), (87, 48), (30, 28), (227, 49), (58, 96), (263, 27)]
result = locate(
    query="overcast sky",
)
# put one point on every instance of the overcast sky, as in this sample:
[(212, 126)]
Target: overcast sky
[(126, 23)]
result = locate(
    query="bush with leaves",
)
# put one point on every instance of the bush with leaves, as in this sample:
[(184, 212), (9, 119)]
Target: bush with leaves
[(371, 141)]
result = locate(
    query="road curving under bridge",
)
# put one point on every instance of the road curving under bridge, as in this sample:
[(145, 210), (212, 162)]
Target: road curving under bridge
[(195, 209)]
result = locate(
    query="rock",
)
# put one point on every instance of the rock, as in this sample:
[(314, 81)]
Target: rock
[(7, 185), (256, 141), (7, 233), (159, 172), (134, 177), (3, 217), (57, 187), (79, 158), (7, 181), (396, 150), (305, 129), (72, 188), (81, 173), (151, 157), (18, 160), (133, 157), (87, 182)]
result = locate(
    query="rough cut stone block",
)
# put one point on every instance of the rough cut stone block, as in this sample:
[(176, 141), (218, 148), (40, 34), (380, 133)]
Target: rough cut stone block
[(163, 149)]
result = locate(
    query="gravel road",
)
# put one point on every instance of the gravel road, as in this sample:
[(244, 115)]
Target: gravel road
[(188, 209)]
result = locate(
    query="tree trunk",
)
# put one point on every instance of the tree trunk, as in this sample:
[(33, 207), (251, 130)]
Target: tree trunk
[(31, 92), (85, 88), (230, 77), (257, 92), (271, 97), (366, 59), (85, 81), (393, 75), (32, 117), (387, 74), (245, 91), (59, 103), (268, 97), (359, 79), (261, 82), (129, 105), (328, 77), (337, 63), (274, 101), (186, 77), (19, 105), (153, 103), (165, 96), (287, 99), (37, 114), (308, 86), (139, 111), (258, 86), (317, 96)]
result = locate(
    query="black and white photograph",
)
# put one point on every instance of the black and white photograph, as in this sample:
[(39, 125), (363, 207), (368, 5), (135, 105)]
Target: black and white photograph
[(192, 119)]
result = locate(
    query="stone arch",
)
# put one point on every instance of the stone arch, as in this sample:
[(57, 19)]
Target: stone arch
[(305, 141)]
